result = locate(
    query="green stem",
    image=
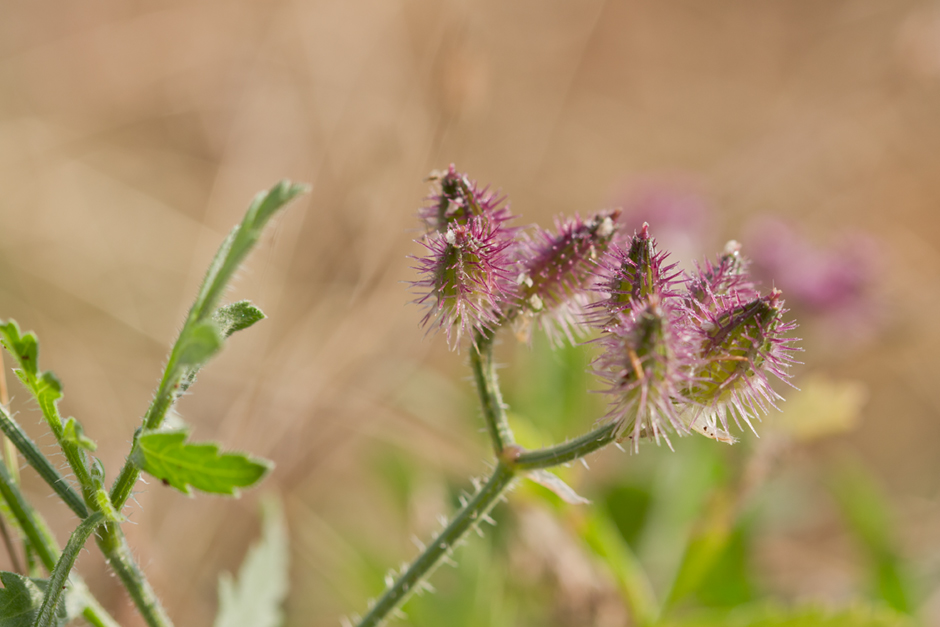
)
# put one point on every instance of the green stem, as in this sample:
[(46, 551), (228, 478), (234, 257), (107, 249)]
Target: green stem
[(113, 544), (60, 574), (512, 460), (567, 452), (228, 258), (44, 544), (41, 464), (491, 399), (466, 519)]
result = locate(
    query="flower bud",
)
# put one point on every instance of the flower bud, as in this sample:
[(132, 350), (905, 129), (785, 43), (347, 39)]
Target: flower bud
[(558, 269), (738, 346), (644, 366), (727, 278), (465, 277), (630, 275), (455, 200)]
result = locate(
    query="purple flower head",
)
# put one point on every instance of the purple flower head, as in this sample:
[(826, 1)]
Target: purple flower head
[(455, 199), (737, 347), (629, 275), (645, 365), (466, 277), (713, 283), (557, 270)]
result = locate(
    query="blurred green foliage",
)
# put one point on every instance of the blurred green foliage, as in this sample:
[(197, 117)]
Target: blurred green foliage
[(670, 536)]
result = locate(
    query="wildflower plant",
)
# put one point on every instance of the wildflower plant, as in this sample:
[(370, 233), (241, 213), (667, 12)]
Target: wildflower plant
[(680, 353), (162, 450)]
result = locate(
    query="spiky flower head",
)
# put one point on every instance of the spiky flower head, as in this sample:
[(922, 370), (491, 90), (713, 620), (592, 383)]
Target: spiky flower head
[(628, 275), (645, 366), (738, 346), (720, 281), (455, 199), (465, 278), (557, 270)]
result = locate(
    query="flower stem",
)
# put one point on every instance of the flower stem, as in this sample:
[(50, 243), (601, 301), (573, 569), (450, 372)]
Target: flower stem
[(512, 460), (60, 574), (567, 452), (466, 519), (491, 399)]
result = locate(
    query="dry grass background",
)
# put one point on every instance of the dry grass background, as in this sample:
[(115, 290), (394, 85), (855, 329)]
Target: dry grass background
[(132, 136)]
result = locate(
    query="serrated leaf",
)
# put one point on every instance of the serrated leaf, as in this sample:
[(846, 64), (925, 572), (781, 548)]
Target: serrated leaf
[(21, 598), (72, 432), (237, 316), (202, 341), (256, 597), (167, 456), (23, 347)]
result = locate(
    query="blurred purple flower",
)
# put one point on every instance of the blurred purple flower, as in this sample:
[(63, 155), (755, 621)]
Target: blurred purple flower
[(831, 281), (674, 207)]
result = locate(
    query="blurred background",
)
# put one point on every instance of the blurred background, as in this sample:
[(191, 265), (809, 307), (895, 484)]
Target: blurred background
[(133, 135)]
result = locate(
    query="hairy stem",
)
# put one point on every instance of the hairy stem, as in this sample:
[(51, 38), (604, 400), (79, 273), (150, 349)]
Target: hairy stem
[(176, 377), (44, 544), (9, 453), (567, 452), (512, 460), (60, 573), (34, 457), (113, 544), (491, 399), (466, 519)]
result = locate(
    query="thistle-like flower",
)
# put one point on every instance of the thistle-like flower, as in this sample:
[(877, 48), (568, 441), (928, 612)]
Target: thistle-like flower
[(725, 280), (645, 365), (465, 277), (557, 270), (629, 275), (737, 347), (455, 199)]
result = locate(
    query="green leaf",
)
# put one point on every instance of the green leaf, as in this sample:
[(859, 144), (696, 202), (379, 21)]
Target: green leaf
[(24, 348), (21, 598), (266, 204), (237, 316), (866, 512), (768, 615), (255, 599), (168, 457), (202, 341), (705, 546), (554, 483), (238, 244), (72, 432), (603, 538)]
